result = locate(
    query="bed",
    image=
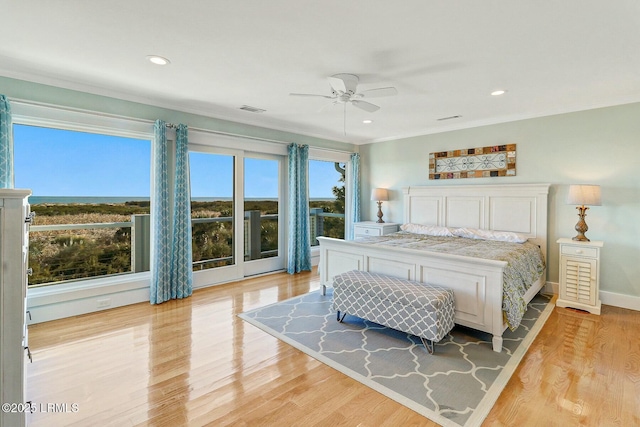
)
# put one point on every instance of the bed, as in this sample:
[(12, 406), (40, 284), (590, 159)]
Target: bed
[(478, 283)]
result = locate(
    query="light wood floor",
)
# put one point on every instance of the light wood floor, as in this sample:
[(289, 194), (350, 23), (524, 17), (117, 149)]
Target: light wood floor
[(194, 363)]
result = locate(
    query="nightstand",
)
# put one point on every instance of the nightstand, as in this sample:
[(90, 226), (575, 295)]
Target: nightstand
[(371, 228), (580, 275)]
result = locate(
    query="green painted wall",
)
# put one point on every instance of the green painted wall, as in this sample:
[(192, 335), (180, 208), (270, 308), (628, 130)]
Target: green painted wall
[(597, 146)]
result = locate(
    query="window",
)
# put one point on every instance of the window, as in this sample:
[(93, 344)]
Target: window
[(91, 199), (91, 195), (326, 199)]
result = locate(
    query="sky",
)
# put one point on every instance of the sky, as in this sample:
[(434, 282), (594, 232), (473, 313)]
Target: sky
[(54, 162)]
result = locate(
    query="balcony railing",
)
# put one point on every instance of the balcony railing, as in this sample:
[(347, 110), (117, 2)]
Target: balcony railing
[(129, 247)]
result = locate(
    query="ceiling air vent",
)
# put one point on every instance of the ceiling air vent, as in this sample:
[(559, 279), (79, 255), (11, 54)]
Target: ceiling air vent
[(252, 109), (449, 118)]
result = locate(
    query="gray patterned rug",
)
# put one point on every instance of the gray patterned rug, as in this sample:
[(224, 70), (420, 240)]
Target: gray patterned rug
[(456, 386)]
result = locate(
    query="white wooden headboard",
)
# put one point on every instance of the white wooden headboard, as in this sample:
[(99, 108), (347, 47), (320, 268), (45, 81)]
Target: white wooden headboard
[(521, 208)]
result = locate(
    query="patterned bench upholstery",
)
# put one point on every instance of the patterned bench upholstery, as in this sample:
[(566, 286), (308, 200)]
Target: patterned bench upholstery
[(416, 308)]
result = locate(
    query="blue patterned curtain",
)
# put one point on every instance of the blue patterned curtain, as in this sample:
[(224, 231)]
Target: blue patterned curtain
[(181, 270), (161, 217), (355, 193), (6, 144), (299, 246)]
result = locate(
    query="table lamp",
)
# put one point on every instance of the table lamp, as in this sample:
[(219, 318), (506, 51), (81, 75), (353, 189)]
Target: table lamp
[(379, 195), (583, 196)]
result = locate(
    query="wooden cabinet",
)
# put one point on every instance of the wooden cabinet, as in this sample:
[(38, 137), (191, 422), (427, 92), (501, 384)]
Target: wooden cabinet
[(580, 275), (371, 228), (14, 340)]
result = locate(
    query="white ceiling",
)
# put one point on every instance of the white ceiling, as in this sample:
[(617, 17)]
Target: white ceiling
[(444, 57)]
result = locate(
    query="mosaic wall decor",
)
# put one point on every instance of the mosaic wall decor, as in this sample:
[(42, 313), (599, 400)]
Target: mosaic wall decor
[(497, 160)]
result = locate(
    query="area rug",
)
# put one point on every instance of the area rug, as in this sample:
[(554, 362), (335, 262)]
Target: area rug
[(456, 386)]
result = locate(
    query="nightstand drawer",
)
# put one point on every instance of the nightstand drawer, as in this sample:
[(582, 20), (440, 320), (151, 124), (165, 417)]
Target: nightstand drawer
[(373, 229), (365, 231), (577, 250)]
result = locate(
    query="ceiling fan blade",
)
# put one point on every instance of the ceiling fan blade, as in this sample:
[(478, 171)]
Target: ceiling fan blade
[(366, 106), (380, 92), (325, 106), (344, 82), (310, 95), (337, 85)]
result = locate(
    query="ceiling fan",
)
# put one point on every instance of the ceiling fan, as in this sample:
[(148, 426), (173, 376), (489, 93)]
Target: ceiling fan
[(344, 90)]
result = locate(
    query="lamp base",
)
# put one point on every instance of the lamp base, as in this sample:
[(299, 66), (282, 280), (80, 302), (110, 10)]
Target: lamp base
[(581, 226), (581, 238), (380, 221)]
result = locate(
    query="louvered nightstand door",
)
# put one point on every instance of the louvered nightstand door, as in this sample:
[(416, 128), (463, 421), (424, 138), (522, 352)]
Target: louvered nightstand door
[(579, 275)]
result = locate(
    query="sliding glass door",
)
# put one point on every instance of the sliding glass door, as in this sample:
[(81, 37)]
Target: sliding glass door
[(263, 222), (237, 228), (212, 209)]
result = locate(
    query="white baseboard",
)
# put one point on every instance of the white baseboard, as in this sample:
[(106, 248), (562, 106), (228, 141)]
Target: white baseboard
[(551, 288), (315, 256), (620, 300), (606, 297)]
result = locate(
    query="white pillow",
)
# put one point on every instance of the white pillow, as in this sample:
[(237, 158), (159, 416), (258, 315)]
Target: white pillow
[(429, 230), (501, 236)]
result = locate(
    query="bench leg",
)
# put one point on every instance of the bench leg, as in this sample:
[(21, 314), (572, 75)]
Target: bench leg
[(429, 345)]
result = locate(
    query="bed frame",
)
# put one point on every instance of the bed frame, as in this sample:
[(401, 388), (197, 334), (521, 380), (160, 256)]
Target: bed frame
[(477, 283)]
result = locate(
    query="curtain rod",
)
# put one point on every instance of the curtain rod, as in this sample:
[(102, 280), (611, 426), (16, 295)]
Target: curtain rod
[(151, 122)]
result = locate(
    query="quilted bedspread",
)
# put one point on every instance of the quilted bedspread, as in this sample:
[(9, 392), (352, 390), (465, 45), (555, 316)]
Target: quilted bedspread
[(525, 263)]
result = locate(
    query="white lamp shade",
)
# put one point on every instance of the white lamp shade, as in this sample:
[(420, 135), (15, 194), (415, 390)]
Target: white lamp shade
[(588, 195), (380, 194)]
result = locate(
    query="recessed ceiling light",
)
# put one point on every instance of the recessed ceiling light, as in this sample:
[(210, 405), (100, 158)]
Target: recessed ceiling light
[(158, 60), (367, 121), (498, 92)]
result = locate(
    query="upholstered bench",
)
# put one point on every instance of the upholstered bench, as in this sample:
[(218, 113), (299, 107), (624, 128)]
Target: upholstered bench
[(416, 308)]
